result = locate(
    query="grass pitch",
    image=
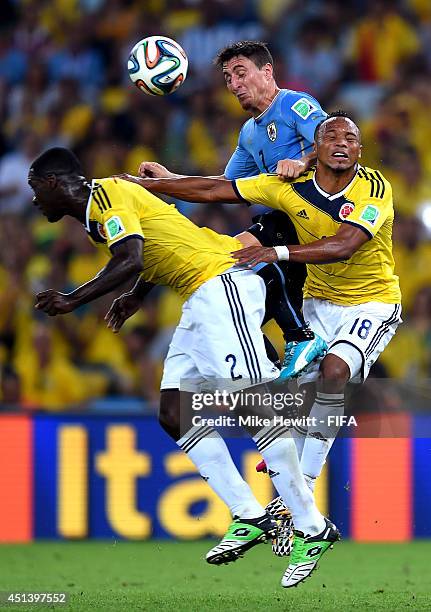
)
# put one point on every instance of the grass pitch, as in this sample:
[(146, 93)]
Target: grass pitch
[(164, 575)]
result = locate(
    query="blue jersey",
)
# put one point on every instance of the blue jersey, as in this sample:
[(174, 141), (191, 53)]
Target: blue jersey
[(285, 130)]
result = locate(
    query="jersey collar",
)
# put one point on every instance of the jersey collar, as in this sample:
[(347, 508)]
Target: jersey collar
[(268, 107), (334, 196), (88, 207)]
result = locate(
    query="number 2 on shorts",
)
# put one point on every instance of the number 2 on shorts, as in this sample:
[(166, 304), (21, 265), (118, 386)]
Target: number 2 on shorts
[(232, 373)]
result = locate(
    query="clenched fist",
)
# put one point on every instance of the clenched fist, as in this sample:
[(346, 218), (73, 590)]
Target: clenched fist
[(54, 303)]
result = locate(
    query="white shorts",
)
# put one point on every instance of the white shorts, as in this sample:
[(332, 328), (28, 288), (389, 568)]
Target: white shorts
[(356, 334), (218, 343)]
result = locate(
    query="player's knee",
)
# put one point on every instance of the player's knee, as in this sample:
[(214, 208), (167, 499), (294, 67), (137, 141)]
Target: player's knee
[(334, 372), (169, 413)]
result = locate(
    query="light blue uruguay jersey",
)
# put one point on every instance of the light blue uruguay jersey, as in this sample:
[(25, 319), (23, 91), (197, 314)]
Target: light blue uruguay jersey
[(285, 130)]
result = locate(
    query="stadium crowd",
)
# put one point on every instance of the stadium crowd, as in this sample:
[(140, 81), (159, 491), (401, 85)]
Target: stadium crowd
[(63, 82)]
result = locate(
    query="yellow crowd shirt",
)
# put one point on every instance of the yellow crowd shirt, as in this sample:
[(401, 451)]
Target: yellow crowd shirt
[(368, 276), (176, 252)]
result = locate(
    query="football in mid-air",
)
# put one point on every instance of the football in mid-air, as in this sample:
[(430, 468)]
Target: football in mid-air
[(157, 65)]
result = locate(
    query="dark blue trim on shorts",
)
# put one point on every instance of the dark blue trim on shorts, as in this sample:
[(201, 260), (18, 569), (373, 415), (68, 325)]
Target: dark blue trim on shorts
[(382, 329), (230, 280), (241, 328)]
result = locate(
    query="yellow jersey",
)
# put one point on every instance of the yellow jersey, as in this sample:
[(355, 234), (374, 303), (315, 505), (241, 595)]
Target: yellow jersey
[(368, 276), (176, 252)]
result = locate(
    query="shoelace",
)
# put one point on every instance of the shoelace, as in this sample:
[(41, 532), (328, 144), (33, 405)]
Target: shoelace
[(308, 332), (288, 356), (297, 551)]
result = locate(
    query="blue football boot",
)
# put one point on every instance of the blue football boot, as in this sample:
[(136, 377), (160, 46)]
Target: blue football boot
[(299, 354)]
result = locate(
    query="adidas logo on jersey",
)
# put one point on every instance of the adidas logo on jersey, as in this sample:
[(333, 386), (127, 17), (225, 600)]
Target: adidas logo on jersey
[(303, 214)]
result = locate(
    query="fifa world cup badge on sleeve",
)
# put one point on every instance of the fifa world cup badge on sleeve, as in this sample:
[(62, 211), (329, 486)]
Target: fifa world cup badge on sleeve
[(370, 214), (303, 108), (114, 227)]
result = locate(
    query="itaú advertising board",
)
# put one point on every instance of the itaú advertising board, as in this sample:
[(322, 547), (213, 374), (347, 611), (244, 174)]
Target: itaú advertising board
[(68, 477), (65, 476)]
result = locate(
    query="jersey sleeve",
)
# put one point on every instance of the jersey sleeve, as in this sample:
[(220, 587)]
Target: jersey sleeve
[(303, 113), (373, 206), (263, 189), (241, 164), (119, 218)]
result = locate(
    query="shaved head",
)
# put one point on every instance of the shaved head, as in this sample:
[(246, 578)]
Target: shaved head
[(331, 120)]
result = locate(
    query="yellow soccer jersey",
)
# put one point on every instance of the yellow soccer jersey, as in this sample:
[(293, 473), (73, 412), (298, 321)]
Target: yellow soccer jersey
[(366, 203), (176, 252)]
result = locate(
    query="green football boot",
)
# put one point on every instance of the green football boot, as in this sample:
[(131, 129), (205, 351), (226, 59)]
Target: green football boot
[(306, 552), (242, 535)]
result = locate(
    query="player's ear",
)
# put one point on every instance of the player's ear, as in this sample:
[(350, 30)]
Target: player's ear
[(360, 151), (269, 71)]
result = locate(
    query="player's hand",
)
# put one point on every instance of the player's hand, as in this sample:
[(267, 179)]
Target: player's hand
[(153, 170), (250, 256), (121, 309), (54, 303), (288, 169), (128, 177)]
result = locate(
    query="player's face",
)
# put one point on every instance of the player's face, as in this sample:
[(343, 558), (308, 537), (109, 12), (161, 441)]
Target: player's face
[(339, 144), (44, 197), (246, 81)]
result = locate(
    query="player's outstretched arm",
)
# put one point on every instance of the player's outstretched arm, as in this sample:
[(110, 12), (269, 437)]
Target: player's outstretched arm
[(188, 188), (340, 247), (126, 263), (127, 304)]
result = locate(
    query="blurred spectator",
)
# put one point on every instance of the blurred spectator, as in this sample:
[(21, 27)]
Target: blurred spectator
[(10, 389), (220, 23), (381, 40), (34, 91), (413, 339), (411, 185), (13, 61), (116, 20), (49, 380), (31, 36), (412, 258), (79, 59), (15, 194), (314, 61)]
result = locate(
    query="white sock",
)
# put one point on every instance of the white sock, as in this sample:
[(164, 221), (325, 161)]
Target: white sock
[(321, 437), (310, 482), (299, 434), (209, 453), (283, 467)]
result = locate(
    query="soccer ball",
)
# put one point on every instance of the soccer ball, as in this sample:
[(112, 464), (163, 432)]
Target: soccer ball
[(157, 65)]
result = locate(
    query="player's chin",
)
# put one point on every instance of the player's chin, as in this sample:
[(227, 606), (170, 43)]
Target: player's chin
[(245, 103), (341, 165)]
